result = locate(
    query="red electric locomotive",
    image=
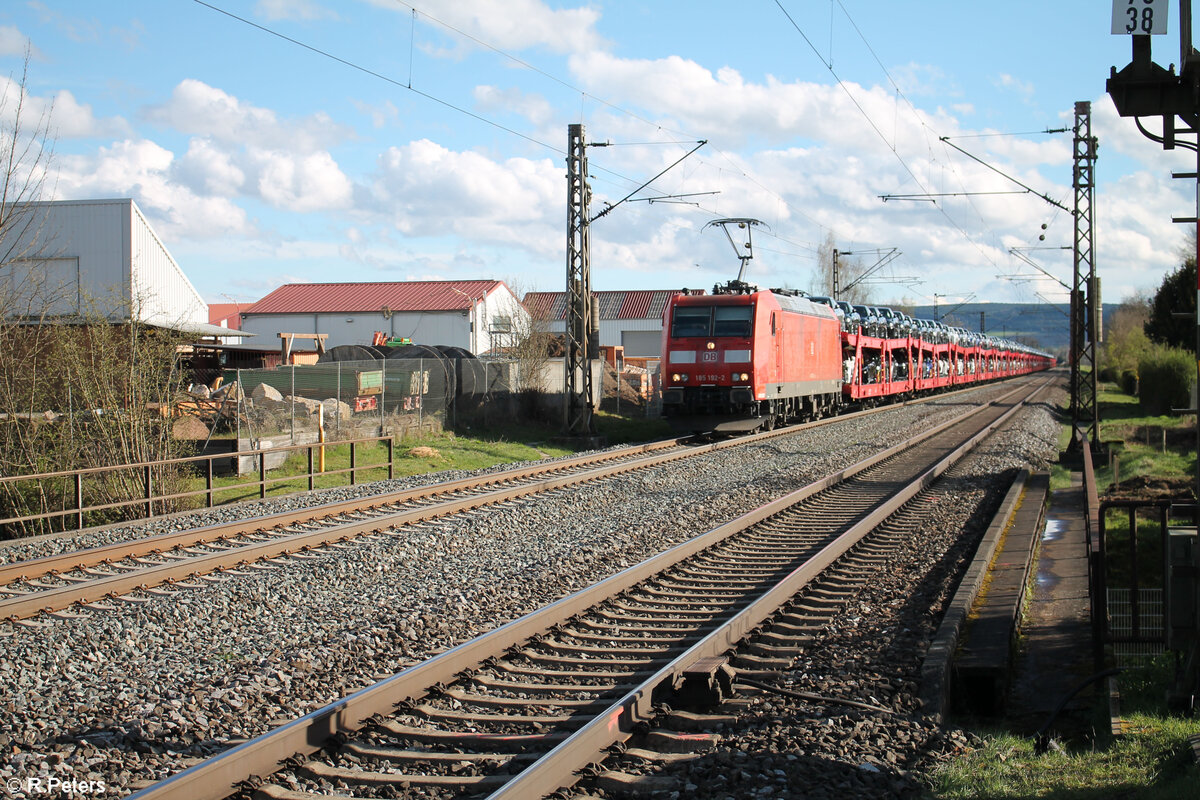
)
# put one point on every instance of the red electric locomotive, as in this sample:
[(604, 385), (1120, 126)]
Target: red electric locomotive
[(741, 359)]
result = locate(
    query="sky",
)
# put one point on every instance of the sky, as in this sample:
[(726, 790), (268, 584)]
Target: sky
[(286, 141)]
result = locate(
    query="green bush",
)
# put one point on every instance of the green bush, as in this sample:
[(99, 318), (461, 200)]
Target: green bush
[(1129, 382), (1166, 377)]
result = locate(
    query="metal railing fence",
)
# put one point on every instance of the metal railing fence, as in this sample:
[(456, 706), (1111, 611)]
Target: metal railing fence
[(159, 481)]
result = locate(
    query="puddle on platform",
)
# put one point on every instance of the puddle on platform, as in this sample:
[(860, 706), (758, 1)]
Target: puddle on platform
[(1054, 528)]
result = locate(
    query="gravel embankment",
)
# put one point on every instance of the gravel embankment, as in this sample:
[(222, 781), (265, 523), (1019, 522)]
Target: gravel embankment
[(137, 693)]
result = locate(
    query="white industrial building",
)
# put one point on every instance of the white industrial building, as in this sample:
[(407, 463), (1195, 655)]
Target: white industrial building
[(96, 258), (477, 315), (631, 319)]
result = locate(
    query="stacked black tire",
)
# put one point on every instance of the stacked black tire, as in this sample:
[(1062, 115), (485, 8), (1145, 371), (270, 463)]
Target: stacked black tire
[(463, 375)]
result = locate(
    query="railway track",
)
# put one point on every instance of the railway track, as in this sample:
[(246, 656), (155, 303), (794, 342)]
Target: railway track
[(176, 560), (519, 711), (94, 578)]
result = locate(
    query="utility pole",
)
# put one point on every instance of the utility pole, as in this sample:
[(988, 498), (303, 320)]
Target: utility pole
[(582, 333), (1084, 300), (867, 275), (583, 310), (837, 288)]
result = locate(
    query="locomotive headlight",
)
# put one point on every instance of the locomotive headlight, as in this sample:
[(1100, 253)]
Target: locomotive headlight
[(745, 376), (711, 345), (675, 377)]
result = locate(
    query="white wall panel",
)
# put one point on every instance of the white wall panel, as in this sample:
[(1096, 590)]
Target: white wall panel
[(430, 328), (159, 289), (117, 258), (642, 344)]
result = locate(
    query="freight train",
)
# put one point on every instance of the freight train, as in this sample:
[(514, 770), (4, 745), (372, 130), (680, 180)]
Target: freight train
[(741, 358)]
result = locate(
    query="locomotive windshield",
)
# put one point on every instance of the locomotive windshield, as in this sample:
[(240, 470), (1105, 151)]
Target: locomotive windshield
[(711, 321)]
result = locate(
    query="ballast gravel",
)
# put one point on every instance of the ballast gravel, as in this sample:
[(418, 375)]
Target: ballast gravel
[(129, 696)]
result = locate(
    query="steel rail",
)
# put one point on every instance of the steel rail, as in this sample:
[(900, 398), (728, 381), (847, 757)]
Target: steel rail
[(150, 545), (225, 773), (62, 597), (33, 569), (56, 599)]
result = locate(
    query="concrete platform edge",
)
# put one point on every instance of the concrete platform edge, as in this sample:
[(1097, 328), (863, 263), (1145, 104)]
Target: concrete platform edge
[(936, 670)]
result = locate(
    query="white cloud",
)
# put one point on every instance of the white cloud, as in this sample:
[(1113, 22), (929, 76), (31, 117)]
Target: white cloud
[(13, 43), (1023, 89), (199, 109), (532, 107), (924, 80), (245, 150), (77, 29), (312, 182), (304, 10), (1118, 135), (63, 115), (142, 170), (839, 155), (209, 169), (71, 119), (731, 111), (381, 114), (426, 189), (514, 24)]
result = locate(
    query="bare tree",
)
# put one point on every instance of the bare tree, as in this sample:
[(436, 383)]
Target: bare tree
[(77, 389), (26, 154), (533, 345), (849, 269)]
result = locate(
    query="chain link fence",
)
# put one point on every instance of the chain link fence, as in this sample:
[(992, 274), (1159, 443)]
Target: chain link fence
[(385, 397)]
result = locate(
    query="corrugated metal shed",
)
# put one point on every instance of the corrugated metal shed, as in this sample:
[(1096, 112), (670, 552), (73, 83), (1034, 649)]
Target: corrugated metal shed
[(102, 257), (398, 297), (627, 305)]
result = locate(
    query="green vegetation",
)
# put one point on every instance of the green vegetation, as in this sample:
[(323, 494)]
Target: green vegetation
[(627, 430), (1149, 552), (430, 453), (1171, 317), (1136, 441), (1165, 378), (1152, 760)]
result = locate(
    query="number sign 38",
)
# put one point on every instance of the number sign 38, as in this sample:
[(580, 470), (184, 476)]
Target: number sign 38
[(1139, 17)]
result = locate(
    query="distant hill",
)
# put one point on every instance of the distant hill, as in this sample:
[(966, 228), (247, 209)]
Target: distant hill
[(1039, 324)]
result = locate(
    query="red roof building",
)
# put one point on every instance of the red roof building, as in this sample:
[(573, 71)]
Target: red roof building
[(632, 319), (227, 315), (477, 315)]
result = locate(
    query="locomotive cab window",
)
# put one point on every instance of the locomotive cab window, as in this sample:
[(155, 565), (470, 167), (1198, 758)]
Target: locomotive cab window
[(691, 321), (732, 320), (711, 321)]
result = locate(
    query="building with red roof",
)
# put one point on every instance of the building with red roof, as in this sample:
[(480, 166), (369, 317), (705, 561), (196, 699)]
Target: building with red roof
[(477, 315), (226, 315), (631, 319)]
